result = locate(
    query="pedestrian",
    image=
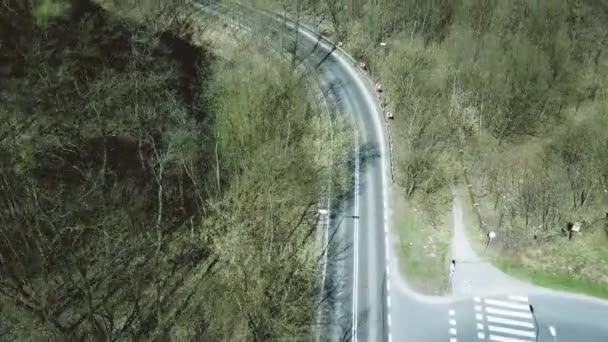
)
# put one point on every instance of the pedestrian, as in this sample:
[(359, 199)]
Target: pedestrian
[(452, 269)]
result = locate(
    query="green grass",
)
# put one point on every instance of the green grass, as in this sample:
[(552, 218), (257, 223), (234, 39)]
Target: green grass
[(423, 250), (558, 281), (529, 269)]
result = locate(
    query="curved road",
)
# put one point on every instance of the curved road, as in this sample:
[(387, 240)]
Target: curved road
[(371, 300)]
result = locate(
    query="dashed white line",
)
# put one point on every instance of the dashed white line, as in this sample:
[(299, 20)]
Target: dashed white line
[(452, 312), (477, 307), (477, 299), (479, 317), (506, 321), (481, 335), (516, 332), (506, 304), (452, 321), (509, 313), (453, 339), (388, 302), (452, 331), (479, 326)]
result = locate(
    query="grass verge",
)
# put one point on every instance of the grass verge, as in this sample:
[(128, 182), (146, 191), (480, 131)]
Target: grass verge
[(422, 249), (558, 281), (544, 265)]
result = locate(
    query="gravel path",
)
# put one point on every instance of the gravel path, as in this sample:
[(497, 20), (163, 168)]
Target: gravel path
[(474, 275)]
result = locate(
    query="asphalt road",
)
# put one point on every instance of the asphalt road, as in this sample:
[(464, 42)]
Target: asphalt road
[(371, 299)]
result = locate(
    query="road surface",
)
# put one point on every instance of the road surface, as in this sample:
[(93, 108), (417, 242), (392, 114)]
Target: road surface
[(372, 301)]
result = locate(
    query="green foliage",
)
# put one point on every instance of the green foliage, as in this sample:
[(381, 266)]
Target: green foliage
[(149, 192), (48, 9), (513, 90)]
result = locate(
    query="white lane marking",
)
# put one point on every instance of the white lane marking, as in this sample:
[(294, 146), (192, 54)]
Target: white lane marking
[(453, 331), (477, 307), (499, 338), (509, 313), (517, 332), (477, 299), (479, 326), (388, 329), (453, 339), (361, 84), (479, 317), (452, 321), (506, 321), (356, 243), (452, 312), (519, 298), (506, 304), (388, 273), (481, 335), (388, 302)]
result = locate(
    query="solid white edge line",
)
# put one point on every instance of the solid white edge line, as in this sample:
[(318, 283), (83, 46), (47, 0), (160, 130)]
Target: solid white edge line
[(309, 33), (349, 68)]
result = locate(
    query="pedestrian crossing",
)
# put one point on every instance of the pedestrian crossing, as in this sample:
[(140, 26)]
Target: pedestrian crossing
[(504, 319)]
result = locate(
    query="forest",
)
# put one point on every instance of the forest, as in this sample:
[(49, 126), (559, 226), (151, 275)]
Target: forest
[(150, 187), (506, 98)]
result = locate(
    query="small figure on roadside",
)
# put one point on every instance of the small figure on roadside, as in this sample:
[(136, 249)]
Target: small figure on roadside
[(452, 268)]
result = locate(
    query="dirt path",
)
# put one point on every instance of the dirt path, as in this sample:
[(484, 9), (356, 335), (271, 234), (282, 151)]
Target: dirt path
[(473, 275)]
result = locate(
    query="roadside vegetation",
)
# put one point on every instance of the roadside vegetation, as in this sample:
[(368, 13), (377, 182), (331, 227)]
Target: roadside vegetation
[(507, 97), (151, 189)]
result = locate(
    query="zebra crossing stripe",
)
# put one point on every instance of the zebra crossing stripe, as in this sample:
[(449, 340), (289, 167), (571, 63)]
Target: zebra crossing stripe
[(499, 338), (507, 321), (501, 312), (506, 304), (516, 332), (518, 298)]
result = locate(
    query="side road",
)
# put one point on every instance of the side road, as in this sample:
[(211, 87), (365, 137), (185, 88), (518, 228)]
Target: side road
[(473, 274)]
